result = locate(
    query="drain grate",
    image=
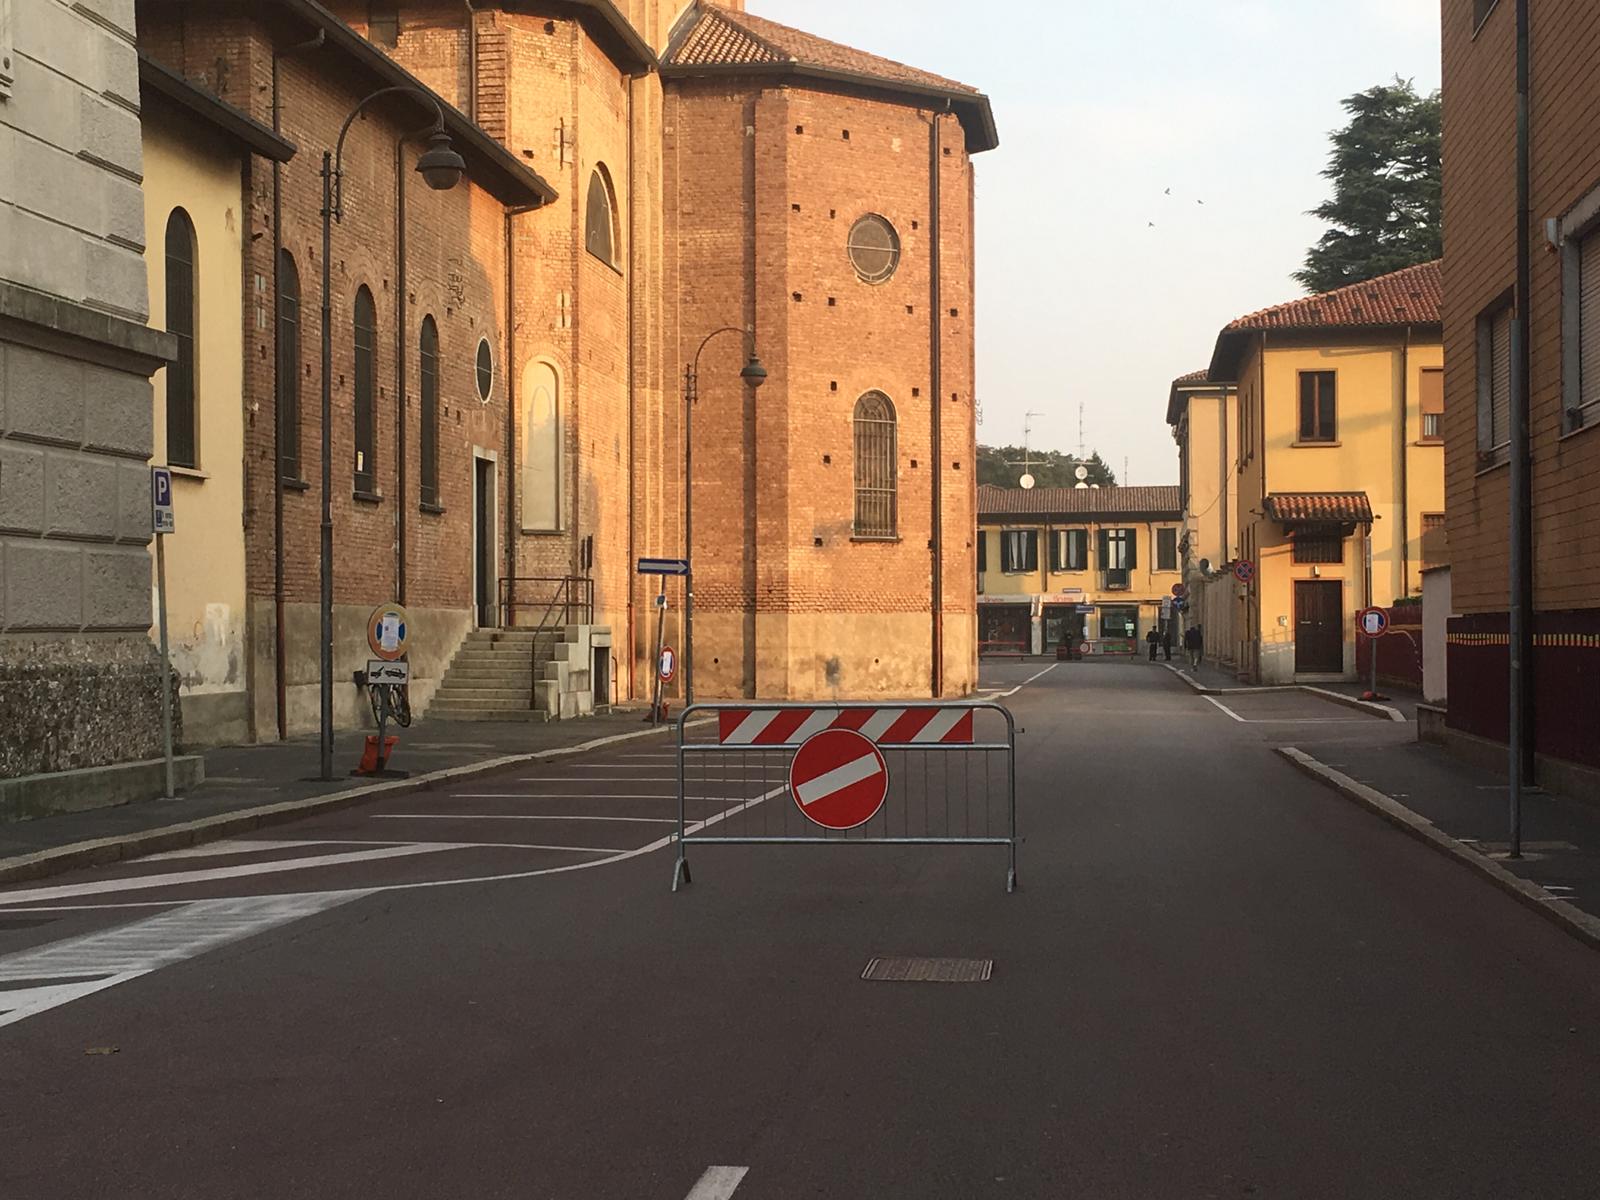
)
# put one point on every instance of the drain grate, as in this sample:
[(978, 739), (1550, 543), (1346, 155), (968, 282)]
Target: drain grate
[(929, 970)]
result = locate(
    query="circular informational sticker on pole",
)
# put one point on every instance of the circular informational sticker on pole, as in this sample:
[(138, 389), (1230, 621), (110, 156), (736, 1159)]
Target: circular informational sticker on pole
[(1244, 570), (838, 779), (668, 666), (1373, 622), (387, 631)]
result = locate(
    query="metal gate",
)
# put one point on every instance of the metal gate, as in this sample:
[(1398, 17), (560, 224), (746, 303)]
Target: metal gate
[(950, 767)]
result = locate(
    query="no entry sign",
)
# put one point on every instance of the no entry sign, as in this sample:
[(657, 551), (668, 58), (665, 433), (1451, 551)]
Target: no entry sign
[(839, 779)]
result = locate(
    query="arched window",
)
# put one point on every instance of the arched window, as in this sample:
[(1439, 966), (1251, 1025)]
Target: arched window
[(541, 448), (430, 411), (876, 467), (182, 437), (366, 342), (600, 221), (288, 367)]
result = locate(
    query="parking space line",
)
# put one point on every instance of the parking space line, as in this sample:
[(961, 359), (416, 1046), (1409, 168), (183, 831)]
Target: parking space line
[(244, 846), (718, 1183), (512, 817), (579, 796), (1224, 708), (511, 846)]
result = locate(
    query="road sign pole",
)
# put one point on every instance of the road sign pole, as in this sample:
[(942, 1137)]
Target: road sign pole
[(166, 662), (661, 640), (1372, 653)]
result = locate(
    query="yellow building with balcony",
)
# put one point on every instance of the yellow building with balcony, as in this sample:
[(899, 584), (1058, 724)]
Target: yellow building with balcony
[(1061, 567), (1339, 466)]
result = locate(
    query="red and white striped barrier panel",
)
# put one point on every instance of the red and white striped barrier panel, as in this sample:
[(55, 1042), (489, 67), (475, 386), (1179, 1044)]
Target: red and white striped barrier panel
[(885, 726)]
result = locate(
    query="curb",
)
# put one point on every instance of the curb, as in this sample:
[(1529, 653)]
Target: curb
[(1567, 916), (1385, 711), (101, 851)]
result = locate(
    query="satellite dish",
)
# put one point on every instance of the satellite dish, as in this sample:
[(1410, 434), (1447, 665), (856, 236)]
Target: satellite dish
[(1095, 486), (1081, 485), (1082, 472), (1027, 481), (1205, 566)]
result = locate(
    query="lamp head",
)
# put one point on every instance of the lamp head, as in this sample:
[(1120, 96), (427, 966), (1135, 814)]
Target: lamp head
[(440, 166), (754, 374)]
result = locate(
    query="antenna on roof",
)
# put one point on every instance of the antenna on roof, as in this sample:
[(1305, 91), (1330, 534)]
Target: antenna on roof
[(1082, 447)]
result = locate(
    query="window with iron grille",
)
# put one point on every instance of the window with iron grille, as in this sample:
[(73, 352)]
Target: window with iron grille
[(366, 376), (1166, 549), (1494, 385), (428, 410), (876, 467), (288, 367), (1019, 551), (874, 248), (1432, 405), (1317, 546), (1581, 324), (485, 368), (1317, 417), (182, 437), (600, 229), (1069, 550)]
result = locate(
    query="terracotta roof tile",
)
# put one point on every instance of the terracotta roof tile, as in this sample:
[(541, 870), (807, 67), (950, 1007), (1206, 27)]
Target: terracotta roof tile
[(1299, 507), (722, 37), (1160, 501), (1192, 377), (1413, 296)]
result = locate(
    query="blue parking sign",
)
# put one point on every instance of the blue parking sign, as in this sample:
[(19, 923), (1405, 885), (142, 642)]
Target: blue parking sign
[(162, 517)]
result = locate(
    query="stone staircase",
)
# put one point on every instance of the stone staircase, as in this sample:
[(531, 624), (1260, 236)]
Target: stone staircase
[(491, 676)]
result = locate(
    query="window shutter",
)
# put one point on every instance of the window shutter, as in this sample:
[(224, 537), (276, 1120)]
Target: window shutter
[(1589, 319), (1132, 554), (1103, 549), (1500, 379), (983, 551), (1008, 556), (1030, 550)]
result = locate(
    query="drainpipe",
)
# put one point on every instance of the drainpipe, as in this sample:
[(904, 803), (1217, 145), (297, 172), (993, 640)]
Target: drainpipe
[(1521, 740), (472, 61), (936, 402), (1404, 532), (279, 649), (632, 399)]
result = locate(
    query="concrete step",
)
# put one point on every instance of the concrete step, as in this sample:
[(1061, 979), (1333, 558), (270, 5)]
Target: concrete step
[(477, 678), (498, 658)]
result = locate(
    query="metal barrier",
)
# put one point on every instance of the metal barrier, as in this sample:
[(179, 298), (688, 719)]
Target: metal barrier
[(860, 774)]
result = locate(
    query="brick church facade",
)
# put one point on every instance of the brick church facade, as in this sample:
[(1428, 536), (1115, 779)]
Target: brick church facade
[(640, 177)]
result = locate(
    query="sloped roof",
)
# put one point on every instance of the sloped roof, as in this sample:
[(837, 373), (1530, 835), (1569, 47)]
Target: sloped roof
[(1413, 296), (712, 39), (1301, 507), (1177, 399), (1159, 501)]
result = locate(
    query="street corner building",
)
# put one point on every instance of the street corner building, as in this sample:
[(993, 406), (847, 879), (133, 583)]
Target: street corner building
[(1312, 463), (659, 204), (1075, 571), (1497, 480), (80, 681)]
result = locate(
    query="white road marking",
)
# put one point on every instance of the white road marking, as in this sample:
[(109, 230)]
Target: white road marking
[(581, 796), (591, 779), (1025, 683), (718, 1183), (109, 957), (1224, 708), (140, 883), (509, 817), (508, 846), (241, 846), (829, 782)]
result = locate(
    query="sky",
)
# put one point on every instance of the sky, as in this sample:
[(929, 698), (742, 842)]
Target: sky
[(1094, 286)]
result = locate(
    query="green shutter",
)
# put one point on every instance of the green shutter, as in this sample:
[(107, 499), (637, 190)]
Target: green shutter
[(1133, 549), (1103, 549)]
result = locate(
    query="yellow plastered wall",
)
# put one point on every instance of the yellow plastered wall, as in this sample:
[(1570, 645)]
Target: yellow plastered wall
[(186, 165)]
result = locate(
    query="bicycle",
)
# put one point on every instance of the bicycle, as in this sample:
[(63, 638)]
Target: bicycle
[(390, 701)]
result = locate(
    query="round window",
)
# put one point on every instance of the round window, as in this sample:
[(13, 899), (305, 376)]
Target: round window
[(485, 370), (874, 248)]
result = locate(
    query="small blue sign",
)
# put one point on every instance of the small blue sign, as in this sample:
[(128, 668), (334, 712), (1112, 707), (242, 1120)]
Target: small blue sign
[(663, 566), (162, 517)]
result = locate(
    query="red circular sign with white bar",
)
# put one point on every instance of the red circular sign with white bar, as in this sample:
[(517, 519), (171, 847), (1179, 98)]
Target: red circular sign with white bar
[(838, 779)]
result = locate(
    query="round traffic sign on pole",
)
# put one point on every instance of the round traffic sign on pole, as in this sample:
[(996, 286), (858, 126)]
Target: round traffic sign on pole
[(387, 632), (838, 779), (668, 666), (1244, 570), (1373, 622), (1180, 590)]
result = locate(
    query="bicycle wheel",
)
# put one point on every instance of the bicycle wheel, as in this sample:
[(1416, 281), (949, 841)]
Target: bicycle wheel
[(400, 705)]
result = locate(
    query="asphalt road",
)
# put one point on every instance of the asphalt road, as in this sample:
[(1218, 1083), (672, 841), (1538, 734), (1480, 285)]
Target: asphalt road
[(1217, 979)]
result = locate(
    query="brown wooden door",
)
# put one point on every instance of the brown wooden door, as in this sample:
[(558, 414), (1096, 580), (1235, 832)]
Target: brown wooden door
[(1318, 626)]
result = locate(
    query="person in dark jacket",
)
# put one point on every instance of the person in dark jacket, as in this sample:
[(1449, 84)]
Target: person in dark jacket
[(1167, 635), (1195, 643), (1153, 640)]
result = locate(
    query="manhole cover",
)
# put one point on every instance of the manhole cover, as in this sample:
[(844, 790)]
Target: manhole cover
[(929, 970)]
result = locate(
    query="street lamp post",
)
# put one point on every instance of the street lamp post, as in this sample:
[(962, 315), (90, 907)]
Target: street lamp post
[(754, 375), (441, 168)]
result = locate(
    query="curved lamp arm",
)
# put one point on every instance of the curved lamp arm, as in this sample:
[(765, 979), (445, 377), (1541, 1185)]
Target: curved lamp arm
[(338, 152)]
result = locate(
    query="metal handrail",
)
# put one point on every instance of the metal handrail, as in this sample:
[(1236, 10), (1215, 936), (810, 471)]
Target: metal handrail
[(570, 602)]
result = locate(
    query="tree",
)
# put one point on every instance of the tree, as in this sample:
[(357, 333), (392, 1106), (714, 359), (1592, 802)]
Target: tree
[(1050, 468), (1385, 209)]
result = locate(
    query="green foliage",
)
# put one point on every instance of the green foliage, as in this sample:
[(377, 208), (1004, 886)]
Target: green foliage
[(1050, 468), (1385, 209)]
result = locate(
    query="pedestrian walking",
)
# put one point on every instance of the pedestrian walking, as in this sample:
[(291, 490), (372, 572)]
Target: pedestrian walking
[(1167, 635), (1153, 640), (1194, 642)]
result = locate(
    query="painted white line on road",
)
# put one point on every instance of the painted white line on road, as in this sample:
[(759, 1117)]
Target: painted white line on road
[(581, 796), (571, 779), (243, 846), (139, 883), (27, 1002), (718, 1183), (1224, 708), (1026, 682), (511, 817), (512, 846)]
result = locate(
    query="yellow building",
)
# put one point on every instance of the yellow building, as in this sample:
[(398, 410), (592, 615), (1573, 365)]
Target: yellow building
[(1058, 567), (1204, 417), (196, 149), (1339, 464)]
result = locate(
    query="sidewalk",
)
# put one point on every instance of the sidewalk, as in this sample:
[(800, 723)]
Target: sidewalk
[(241, 780), (1439, 792), (1212, 678)]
